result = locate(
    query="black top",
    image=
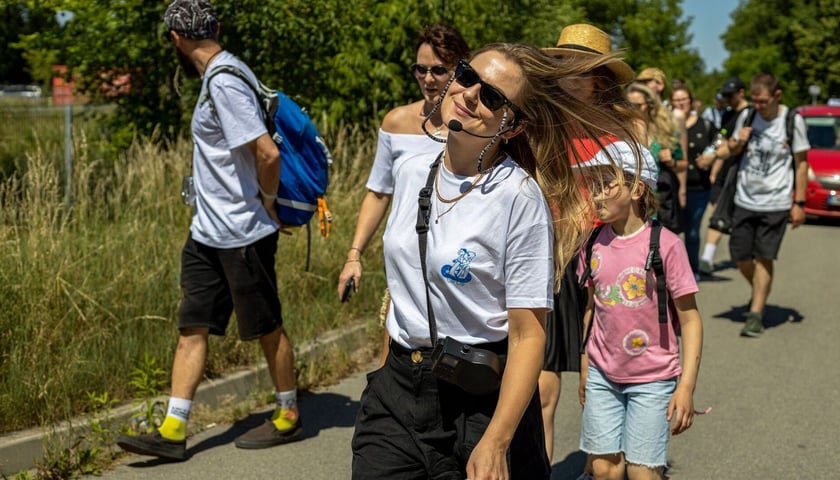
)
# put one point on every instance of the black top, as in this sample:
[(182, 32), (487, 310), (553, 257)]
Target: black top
[(700, 136)]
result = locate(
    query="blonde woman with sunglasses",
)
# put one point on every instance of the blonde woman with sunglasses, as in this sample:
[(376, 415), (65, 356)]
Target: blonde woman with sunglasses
[(485, 278)]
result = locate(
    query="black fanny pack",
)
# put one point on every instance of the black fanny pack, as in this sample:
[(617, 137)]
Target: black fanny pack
[(475, 370)]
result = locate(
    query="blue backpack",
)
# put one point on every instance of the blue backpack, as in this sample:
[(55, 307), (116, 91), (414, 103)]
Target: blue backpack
[(304, 157)]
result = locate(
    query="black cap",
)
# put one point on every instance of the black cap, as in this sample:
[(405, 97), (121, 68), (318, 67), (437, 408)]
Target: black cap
[(732, 85), (193, 19)]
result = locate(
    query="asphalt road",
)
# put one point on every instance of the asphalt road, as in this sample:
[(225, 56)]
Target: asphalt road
[(775, 399)]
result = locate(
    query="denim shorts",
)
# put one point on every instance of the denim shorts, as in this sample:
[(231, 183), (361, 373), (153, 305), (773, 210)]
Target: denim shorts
[(628, 418)]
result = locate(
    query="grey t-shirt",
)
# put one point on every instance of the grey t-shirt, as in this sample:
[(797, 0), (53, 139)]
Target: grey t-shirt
[(765, 179), (228, 210)]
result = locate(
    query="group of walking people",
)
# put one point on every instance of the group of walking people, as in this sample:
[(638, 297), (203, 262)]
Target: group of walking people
[(523, 238), (512, 159)]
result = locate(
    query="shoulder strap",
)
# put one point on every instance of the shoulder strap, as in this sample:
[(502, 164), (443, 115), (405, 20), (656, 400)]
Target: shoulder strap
[(587, 268), (424, 210), (790, 124), (266, 98), (751, 111), (654, 260), (587, 272)]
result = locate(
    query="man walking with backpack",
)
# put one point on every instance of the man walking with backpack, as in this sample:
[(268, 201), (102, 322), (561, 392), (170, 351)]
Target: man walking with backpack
[(227, 263), (768, 193)]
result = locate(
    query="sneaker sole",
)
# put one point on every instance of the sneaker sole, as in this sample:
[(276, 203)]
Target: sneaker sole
[(129, 445), (750, 333), (292, 435)]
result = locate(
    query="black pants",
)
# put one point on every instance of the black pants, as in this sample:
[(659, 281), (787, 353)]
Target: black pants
[(412, 426)]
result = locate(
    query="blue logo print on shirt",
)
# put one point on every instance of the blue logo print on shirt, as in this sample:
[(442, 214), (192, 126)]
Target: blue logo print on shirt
[(459, 270)]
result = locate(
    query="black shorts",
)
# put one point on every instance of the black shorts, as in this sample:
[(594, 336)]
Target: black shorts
[(217, 281), (756, 234), (410, 425)]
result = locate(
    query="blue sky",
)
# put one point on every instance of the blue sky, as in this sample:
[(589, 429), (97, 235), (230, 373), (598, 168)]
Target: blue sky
[(711, 19)]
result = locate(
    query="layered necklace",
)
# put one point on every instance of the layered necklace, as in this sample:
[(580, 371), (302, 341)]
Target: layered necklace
[(454, 201), (426, 116)]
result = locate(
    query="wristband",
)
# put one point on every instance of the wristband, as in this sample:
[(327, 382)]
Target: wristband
[(266, 196), (357, 249), (800, 203)]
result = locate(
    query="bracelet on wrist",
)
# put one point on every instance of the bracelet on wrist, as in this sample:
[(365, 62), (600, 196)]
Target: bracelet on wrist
[(352, 260), (356, 249), (265, 195)]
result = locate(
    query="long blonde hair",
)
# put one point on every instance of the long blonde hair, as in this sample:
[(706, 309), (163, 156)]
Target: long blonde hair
[(660, 123), (554, 120)]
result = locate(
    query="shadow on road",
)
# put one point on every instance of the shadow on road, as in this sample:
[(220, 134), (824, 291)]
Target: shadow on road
[(774, 315), (570, 467), (319, 411)]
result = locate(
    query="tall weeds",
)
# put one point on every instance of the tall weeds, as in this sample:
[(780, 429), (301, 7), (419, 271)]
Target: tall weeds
[(87, 290)]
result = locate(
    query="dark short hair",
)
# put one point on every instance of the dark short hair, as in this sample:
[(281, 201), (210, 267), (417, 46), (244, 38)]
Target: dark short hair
[(446, 42), (766, 80)]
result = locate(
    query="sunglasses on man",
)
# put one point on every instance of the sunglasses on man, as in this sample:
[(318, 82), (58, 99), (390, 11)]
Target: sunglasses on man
[(489, 95), (438, 71)]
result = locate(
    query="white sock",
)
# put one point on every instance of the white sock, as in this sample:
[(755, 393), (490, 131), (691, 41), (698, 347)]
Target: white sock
[(286, 400), (179, 408), (709, 252)]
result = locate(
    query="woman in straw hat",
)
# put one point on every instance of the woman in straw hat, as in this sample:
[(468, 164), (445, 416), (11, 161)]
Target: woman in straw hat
[(595, 75)]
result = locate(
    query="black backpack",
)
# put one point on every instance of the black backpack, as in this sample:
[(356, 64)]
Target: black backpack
[(654, 261)]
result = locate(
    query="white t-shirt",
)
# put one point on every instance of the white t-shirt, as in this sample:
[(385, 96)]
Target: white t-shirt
[(391, 150), (765, 178), (228, 210), (491, 252)]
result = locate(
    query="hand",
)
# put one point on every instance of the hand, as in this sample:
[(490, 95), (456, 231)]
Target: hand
[(797, 215), (352, 269), (488, 461), (680, 411), (271, 207), (704, 162), (665, 157), (744, 134)]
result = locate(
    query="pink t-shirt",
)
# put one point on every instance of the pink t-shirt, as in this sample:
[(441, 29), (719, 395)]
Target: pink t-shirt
[(627, 342)]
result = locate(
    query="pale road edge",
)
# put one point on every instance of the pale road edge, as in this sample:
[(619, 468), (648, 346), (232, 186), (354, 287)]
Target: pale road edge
[(22, 450)]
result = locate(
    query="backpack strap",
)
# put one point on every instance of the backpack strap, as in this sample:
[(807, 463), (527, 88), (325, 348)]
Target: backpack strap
[(587, 268), (587, 273), (654, 260)]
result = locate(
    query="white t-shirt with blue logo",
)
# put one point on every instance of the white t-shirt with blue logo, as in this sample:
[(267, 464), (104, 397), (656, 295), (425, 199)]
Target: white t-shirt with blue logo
[(488, 252), (228, 209), (765, 178)]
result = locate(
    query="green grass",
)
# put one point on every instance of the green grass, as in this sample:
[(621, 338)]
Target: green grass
[(86, 292)]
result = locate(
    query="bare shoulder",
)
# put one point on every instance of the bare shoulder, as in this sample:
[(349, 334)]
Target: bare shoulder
[(404, 119)]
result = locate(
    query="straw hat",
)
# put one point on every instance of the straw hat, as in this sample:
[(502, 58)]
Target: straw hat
[(651, 73), (585, 39)]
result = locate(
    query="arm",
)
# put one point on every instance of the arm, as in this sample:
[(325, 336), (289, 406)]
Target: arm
[(267, 156), (797, 213), (722, 155), (526, 344), (373, 209), (584, 358), (681, 407)]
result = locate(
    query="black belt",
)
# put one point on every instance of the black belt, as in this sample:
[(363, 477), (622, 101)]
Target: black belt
[(417, 355)]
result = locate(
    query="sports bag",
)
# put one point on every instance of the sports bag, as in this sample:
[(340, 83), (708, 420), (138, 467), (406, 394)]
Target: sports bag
[(304, 156)]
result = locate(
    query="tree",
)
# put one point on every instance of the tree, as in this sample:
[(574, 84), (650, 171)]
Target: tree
[(795, 41)]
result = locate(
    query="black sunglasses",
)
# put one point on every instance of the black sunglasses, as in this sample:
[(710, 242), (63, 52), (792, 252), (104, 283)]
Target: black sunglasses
[(420, 71), (489, 95)]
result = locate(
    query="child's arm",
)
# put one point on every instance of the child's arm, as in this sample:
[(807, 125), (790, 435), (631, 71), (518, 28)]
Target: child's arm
[(681, 407), (584, 358)]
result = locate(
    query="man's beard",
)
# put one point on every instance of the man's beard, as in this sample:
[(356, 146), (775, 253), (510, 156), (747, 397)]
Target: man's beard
[(187, 65)]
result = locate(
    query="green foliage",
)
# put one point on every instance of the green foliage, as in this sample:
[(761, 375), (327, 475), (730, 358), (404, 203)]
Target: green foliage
[(795, 41), (148, 380)]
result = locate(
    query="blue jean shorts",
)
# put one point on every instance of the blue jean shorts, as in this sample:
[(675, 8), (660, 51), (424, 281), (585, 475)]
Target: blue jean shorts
[(628, 418)]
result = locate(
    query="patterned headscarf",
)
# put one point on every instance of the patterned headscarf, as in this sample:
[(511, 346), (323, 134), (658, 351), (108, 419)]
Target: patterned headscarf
[(193, 19)]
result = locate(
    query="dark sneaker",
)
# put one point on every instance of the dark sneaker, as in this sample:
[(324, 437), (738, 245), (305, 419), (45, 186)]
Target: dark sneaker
[(267, 435), (706, 268), (753, 327), (155, 445)]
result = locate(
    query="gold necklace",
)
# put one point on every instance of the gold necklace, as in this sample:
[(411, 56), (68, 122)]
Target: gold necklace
[(455, 200)]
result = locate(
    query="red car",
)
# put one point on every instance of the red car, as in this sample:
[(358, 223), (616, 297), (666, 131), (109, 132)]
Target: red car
[(823, 194)]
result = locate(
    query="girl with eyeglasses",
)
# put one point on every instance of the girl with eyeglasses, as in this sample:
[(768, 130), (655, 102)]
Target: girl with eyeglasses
[(490, 262), (402, 138)]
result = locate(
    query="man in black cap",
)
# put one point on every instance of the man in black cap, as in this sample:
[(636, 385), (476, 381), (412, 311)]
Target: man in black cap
[(732, 92), (227, 263)]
